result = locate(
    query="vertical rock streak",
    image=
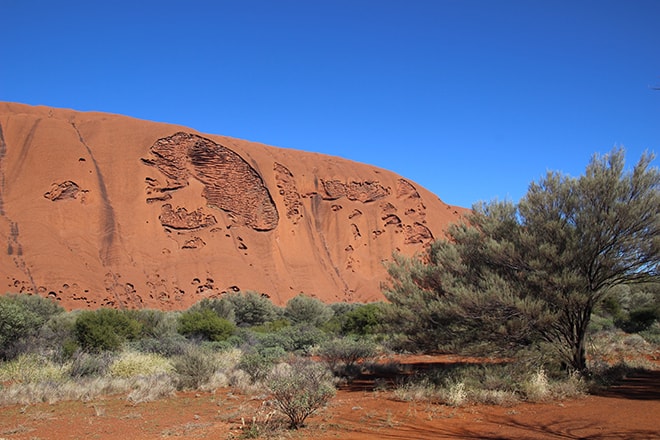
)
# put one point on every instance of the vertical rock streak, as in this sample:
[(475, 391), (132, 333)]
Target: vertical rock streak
[(108, 224)]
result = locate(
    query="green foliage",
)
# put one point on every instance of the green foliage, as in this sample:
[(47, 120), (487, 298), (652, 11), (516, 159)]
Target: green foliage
[(342, 354), (272, 327), (366, 319), (516, 274), (21, 318), (166, 345), (300, 388), (258, 363), (105, 329), (292, 339), (303, 309), (204, 324), (223, 307), (153, 323), (251, 309)]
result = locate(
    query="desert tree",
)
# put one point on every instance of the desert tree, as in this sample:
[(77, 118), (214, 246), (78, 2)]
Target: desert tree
[(300, 388), (512, 274)]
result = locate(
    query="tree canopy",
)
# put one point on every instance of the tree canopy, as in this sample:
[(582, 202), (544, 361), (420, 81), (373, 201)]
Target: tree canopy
[(512, 273)]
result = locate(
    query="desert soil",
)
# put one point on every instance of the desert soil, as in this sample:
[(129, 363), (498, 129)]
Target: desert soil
[(630, 410)]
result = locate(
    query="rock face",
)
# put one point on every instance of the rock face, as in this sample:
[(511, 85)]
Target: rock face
[(99, 210)]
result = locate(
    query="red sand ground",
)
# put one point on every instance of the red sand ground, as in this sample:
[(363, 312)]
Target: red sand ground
[(629, 411)]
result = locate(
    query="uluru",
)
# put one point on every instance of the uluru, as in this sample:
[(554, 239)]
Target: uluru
[(101, 210)]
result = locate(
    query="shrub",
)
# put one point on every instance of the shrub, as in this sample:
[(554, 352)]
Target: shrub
[(105, 329), (259, 363), (252, 309), (456, 395), (150, 388), (303, 309), (272, 326), (85, 364), (300, 338), (342, 355), (153, 323), (300, 388), (365, 319), (167, 345), (537, 387), (204, 324), (58, 337), (193, 369), (222, 307), (21, 318)]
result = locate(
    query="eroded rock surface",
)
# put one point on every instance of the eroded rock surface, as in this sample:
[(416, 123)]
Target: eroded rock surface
[(287, 187), (417, 233), (364, 192), (181, 219), (230, 183), (63, 191)]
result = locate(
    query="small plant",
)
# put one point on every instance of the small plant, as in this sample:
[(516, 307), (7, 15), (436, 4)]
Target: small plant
[(259, 363), (300, 388), (193, 369), (342, 355), (537, 388), (456, 394), (85, 364)]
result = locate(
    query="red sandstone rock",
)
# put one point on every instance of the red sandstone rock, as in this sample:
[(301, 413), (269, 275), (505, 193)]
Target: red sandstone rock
[(104, 210)]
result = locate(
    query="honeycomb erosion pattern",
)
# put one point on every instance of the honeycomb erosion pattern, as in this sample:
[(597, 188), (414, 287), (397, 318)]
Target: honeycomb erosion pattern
[(230, 183)]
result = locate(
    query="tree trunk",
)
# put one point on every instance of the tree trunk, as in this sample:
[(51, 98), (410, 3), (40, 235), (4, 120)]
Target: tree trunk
[(579, 350), (579, 361)]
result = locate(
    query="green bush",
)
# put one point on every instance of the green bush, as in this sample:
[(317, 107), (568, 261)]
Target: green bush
[(153, 323), (640, 320), (167, 345), (57, 336), (251, 309), (366, 319), (204, 324), (303, 309), (105, 329), (294, 339), (300, 388), (259, 363), (21, 318), (222, 307), (272, 326)]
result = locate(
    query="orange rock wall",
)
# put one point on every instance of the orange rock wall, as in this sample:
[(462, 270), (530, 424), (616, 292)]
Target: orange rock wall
[(105, 210)]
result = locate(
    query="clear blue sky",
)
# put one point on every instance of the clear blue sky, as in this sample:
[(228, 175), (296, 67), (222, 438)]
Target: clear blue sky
[(471, 99)]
